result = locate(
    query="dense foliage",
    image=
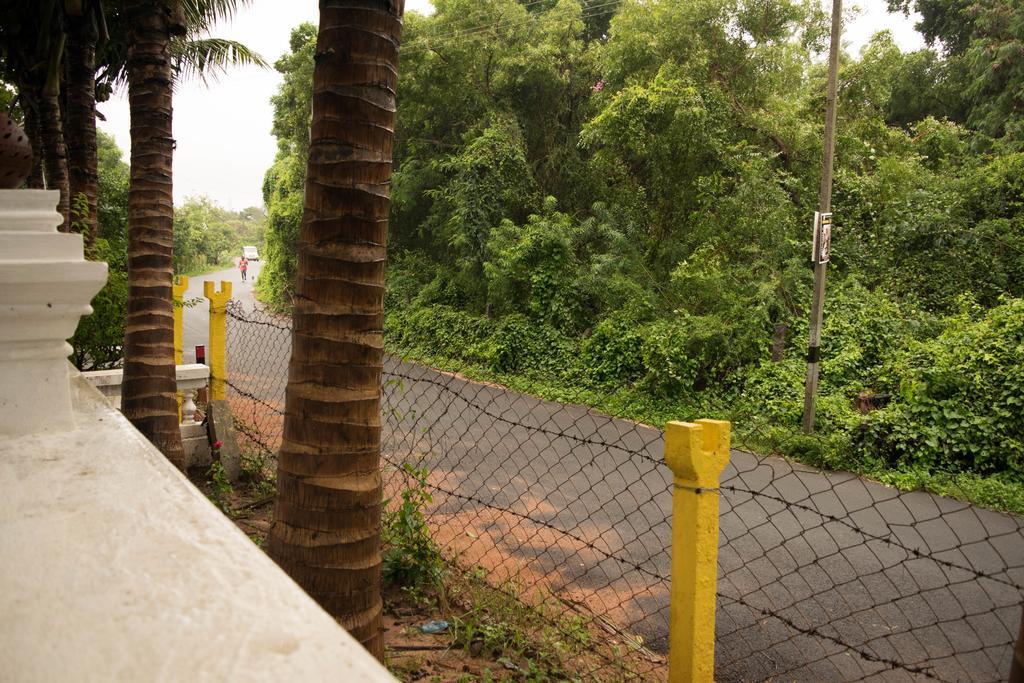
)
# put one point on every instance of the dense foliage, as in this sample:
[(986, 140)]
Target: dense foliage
[(611, 201)]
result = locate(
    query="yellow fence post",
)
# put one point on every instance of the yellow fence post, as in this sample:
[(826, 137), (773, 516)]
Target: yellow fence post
[(696, 453), (217, 355), (178, 290), (178, 287)]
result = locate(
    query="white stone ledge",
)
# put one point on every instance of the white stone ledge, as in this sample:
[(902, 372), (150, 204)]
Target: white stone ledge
[(184, 373), (113, 567)]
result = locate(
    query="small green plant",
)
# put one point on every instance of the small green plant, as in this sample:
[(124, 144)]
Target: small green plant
[(187, 303), (221, 485), (255, 470), (411, 558), (80, 213)]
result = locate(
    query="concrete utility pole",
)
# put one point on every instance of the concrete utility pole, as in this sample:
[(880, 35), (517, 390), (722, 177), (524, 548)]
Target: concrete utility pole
[(823, 223)]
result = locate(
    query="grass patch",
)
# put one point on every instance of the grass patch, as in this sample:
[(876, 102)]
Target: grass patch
[(998, 492), (532, 637)]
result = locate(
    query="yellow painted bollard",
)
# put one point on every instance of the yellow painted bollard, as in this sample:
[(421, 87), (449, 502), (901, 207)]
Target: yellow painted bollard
[(178, 287), (696, 453), (217, 354)]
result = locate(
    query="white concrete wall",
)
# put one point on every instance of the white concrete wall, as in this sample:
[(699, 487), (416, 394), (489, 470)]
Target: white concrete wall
[(113, 567)]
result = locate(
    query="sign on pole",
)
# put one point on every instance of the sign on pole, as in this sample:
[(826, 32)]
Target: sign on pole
[(822, 237)]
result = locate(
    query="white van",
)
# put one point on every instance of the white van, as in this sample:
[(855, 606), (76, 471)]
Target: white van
[(250, 253)]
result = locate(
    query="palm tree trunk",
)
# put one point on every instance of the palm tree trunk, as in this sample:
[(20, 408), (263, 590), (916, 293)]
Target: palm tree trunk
[(326, 530), (51, 131), (148, 392), (81, 126), (29, 100), (55, 153)]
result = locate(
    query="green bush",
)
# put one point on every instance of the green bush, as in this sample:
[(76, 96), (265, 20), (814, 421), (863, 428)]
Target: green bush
[(520, 345), (613, 353), (409, 273), (863, 330), (775, 391), (532, 270), (960, 405), (283, 196), (689, 353), (439, 332)]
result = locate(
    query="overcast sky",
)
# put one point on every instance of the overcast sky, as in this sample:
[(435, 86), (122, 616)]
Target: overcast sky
[(223, 132)]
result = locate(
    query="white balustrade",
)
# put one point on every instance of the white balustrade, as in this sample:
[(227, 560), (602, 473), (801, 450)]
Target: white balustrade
[(191, 378)]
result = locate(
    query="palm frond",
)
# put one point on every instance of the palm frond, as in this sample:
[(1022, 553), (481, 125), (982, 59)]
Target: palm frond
[(206, 58), (201, 15)]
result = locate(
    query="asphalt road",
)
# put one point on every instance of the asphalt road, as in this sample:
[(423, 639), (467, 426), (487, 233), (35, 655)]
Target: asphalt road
[(822, 576)]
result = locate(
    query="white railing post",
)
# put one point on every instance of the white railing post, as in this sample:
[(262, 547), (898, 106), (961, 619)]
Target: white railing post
[(188, 407), (191, 378), (45, 288)]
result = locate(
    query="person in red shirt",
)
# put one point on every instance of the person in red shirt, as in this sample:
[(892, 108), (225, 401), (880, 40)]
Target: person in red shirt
[(243, 265)]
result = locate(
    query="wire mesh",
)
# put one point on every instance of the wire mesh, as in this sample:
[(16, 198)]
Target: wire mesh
[(821, 575)]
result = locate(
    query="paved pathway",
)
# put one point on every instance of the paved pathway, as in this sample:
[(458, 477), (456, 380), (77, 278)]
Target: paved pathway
[(822, 576)]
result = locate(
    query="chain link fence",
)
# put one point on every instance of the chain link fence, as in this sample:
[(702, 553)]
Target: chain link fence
[(821, 575)]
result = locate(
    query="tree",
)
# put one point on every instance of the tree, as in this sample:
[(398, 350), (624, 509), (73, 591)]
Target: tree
[(49, 47), (148, 391), (32, 49), (51, 134), (193, 54), (283, 183), (327, 515), (84, 23), (996, 59), (623, 206), (206, 234), (113, 180), (983, 41)]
